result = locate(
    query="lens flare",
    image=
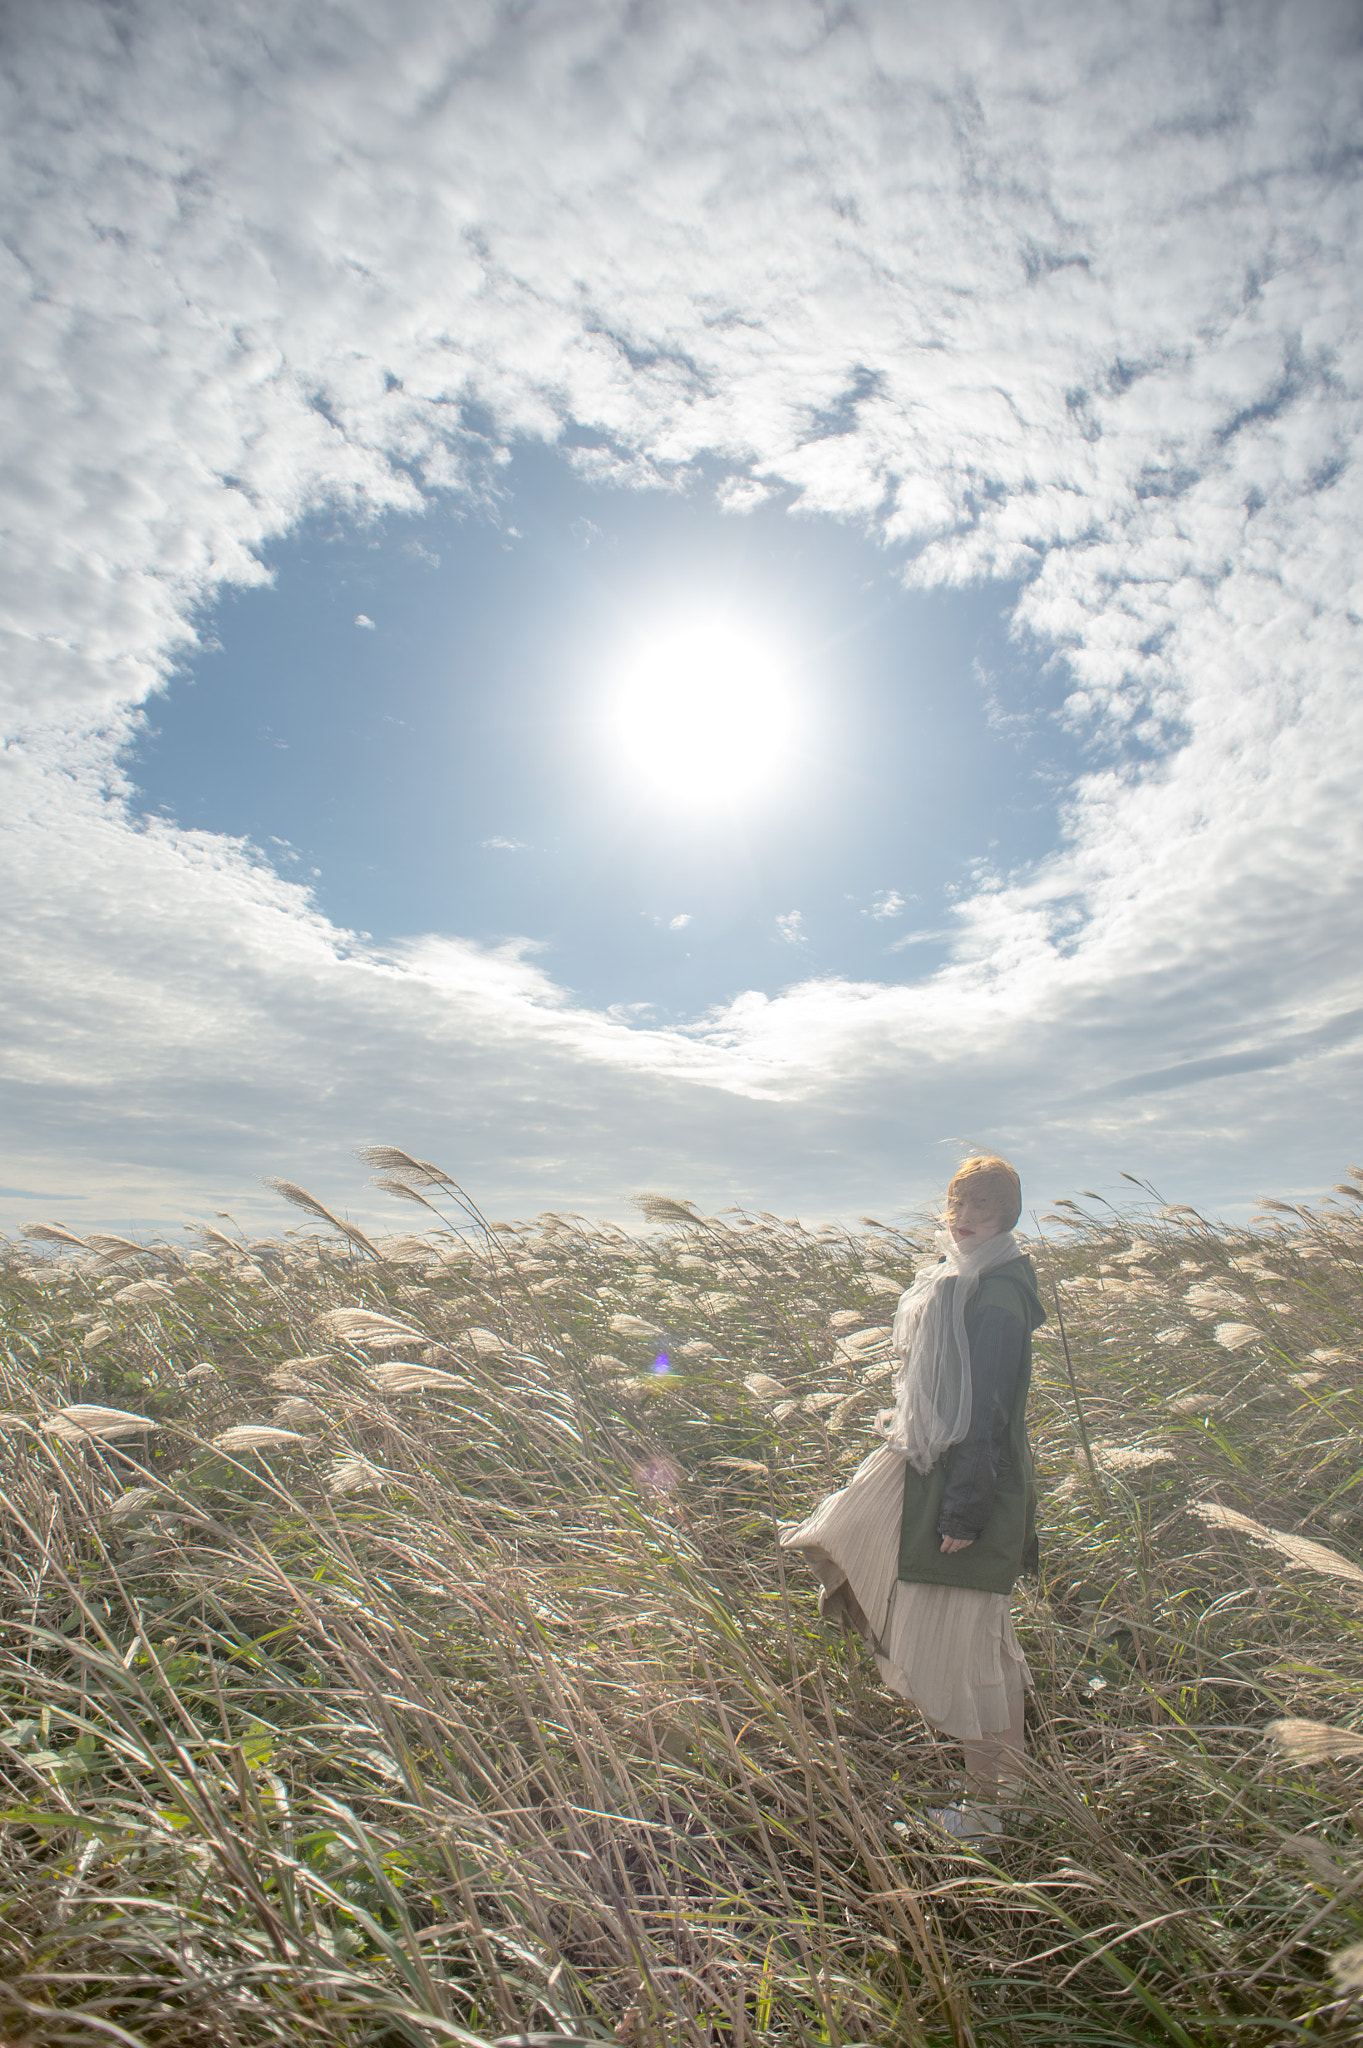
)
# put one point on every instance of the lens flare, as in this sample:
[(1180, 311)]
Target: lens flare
[(658, 1474)]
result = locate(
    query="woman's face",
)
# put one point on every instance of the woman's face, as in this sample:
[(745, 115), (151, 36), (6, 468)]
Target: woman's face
[(972, 1215)]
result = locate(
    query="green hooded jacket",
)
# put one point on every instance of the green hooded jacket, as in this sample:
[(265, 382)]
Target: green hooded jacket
[(1007, 1545)]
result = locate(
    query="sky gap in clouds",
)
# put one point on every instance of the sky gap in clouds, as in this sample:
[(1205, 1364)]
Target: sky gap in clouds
[(1051, 297), (479, 717)]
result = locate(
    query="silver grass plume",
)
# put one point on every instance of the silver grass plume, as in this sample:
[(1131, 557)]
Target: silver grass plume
[(1314, 1742), (255, 1436), (52, 1233), (1347, 1966), (392, 1159), (1299, 1550), (392, 1186), (366, 1326), (87, 1419), (301, 1199), (398, 1165), (400, 1378), (663, 1209)]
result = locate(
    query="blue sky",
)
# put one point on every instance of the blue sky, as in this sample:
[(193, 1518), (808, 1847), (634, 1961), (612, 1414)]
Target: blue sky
[(449, 765), (993, 375)]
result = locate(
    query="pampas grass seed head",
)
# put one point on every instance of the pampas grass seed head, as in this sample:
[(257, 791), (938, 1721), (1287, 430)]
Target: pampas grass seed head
[(635, 1326), (1299, 1550), (146, 1290), (1119, 1457), (1313, 1742), (365, 1326), (296, 1413), (255, 1436), (89, 1420), (301, 1199), (402, 1378), (392, 1159), (354, 1475), (52, 1233), (134, 1502), (487, 1343), (663, 1209), (1347, 1966)]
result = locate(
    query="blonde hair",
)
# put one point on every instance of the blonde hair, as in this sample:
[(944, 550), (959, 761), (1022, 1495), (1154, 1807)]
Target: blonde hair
[(987, 1174)]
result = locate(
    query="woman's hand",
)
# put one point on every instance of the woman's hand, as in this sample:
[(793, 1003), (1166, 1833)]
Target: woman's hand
[(951, 1544)]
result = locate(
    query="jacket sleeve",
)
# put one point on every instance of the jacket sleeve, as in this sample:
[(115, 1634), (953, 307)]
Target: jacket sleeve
[(973, 1467)]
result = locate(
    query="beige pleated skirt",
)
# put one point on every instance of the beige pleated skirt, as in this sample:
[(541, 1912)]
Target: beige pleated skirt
[(951, 1651)]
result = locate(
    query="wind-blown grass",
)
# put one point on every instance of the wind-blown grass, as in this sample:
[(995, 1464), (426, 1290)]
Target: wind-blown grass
[(394, 1646)]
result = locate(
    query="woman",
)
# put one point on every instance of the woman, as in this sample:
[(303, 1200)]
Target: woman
[(921, 1549)]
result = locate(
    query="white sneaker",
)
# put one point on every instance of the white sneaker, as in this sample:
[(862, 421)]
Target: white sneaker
[(968, 1820)]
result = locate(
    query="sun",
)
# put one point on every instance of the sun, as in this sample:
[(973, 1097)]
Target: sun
[(704, 713)]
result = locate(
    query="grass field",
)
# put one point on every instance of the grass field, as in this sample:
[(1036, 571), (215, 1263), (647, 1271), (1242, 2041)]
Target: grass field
[(409, 1659)]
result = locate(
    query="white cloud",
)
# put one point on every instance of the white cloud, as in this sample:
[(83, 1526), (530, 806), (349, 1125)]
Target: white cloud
[(1065, 295), (499, 845), (886, 903), (791, 926), (742, 494), (362, 620), (680, 921)]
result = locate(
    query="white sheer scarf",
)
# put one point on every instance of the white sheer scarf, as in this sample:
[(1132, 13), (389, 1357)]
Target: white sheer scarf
[(932, 1382)]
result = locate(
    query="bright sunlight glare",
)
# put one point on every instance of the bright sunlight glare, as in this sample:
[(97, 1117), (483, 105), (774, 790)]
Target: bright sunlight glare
[(705, 712)]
